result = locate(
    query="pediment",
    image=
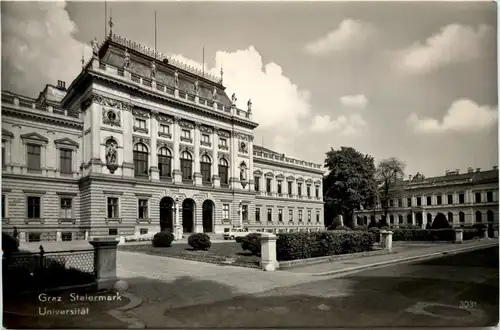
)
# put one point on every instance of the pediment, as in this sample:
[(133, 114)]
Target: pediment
[(309, 181), (300, 179), (34, 137), (280, 176), (270, 174), (6, 133), (66, 141), (317, 182), (257, 172)]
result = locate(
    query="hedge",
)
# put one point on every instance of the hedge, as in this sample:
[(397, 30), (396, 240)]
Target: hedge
[(292, 246), (447, 234)]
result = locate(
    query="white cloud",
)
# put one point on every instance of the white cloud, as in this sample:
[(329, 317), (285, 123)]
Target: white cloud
[(278, 104), (351, 125), (351, 34), (455, 43), (463, 115), (38, 46), (354, 101)]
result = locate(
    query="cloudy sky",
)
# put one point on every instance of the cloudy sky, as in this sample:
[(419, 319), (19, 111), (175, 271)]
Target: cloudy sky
[(411, 80)]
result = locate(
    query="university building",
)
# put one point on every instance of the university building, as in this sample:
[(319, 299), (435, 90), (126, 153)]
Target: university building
[(139, 143), (462, 198)]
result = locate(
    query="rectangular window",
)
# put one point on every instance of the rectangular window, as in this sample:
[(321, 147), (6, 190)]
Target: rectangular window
[(269, 215), (164, 129), (391, 221), (280, 215), (300, 215), (290, 191), (186, 133), (225, 212), (290, 215), (391, 203), (439, 200), (206, 171), (34, 237), (66, 208), (143, 209), (140, 123), (400, 202), (309, 215), (400, 219), (257, 214), (66, 161), (112, 232), (461, 198), (257, 183), (429, 200), (408, 202), (112, 208), (450, 199), (308, 191), (489, 196), (143, 231), (205, 138), (67, 236), (299, 189), (317, 192), (165, 165), (279, 187), (222, 142), (478, 197), (419, 201), (317, 216), (34, 207), (244, 212), (268, 185), (34, 157)]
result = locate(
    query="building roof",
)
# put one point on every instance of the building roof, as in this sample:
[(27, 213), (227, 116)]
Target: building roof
[(474, 177), (262, 149)]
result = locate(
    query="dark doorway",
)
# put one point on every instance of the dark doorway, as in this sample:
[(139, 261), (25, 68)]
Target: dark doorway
[(208, 218), (167, 214), (419, 218), (188, 215)]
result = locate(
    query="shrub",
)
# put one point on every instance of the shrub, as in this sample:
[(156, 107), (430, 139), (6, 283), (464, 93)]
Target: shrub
[(292, 246), (163, 239), (479, 226), (335, 223), (345, 228), (361, 228), (239, 239), (440, 222), (9, 245), (252, 243), (384, 228), (375, 232), (446, 234), (428, 225), (199, 241), (409, 226)]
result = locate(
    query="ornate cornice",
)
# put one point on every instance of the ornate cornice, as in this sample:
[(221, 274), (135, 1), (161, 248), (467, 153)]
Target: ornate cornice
[(6, 134), (290, 178), (66, 142), (280, 176), (224, 155), (137, 112), (71, 122), (206, 129), (162, 118), (244, 137), (186, 124), (205, 152), (223, 133), (105, 101), (300, 179), (269, 175), (309, 181), (141, 139), (184, 147)]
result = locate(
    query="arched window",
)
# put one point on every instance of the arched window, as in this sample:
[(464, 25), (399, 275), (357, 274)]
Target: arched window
[(461, 217), (450, 217), (391, 219), (490, 216), (479, 216), (165, 163), (223, 171), (186, 166), (206, 168), (141, 159)]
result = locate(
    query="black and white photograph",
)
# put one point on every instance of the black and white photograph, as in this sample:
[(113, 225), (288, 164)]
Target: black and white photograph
[(249, 164)]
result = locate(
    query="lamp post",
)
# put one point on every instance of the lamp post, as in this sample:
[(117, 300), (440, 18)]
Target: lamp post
[(177, 233), (240, 213)]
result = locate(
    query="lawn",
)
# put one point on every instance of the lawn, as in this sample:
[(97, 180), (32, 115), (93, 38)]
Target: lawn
[(219, 253)]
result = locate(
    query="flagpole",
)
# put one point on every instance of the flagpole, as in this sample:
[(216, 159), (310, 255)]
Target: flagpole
[(203, 65), (155, 33), (105, 19)]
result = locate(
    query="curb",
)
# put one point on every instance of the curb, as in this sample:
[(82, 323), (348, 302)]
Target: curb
[(404, 259), (122, 314)]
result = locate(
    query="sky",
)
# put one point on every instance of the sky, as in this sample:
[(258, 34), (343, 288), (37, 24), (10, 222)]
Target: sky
[(413, 80)]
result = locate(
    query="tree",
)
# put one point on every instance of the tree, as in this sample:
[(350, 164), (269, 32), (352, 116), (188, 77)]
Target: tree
[(389, 172), (350, 183)]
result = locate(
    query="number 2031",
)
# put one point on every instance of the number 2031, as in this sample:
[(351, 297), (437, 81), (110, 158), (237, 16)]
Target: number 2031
[(468, 304)]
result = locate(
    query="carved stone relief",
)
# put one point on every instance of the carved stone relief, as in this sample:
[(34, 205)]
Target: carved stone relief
[(140, 139), (140, 113), (206, 129), (108, 102), (111, 117), (223, 133), (183, 148), (243, 147), (186, 124), (164, 144), (223, 155), (164, 118)]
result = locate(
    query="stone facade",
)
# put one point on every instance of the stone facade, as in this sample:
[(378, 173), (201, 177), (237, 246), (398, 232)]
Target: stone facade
[(463, 198), (124, 151)]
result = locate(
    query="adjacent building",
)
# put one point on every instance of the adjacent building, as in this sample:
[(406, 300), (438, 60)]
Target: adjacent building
[(462, 198), (139, 143)]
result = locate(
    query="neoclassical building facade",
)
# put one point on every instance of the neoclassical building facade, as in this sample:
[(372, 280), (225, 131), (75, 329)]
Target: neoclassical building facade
[(462, 198), (139, 143)]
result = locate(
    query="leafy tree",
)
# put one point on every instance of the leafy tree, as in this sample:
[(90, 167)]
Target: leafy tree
[(389, 172), (350, 183)]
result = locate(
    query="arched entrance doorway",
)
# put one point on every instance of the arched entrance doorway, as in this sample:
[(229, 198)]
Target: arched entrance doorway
[(188, 215), (419, 219), (167, 214), (208, 216)]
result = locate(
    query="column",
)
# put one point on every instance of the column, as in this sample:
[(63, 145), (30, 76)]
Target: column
[(177, 231), (95, 125), (52, 163), (251, 181), (196, 142), (240, 212), (215, 159), (424, 218), (128, 147), (155, 173), (233, 177), (176, 153), (412, 218), (268, 252)]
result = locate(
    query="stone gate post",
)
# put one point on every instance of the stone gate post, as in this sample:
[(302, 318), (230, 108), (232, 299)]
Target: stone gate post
[(268, 252), (105, 261)]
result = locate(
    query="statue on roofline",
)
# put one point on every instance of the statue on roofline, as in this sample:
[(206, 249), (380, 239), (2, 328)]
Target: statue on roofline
[(126, 60), (214, 94), (95, 47), (153, 69), (196, 87), (249, 105), (176, 78), (233, 99)]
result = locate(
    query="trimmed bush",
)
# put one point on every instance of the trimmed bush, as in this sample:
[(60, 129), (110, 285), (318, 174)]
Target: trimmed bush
[(409, 226), (163, 239), (440, 222), (384, 228), (375, 232), (479, 226), (292, 246), (199, 241), (345, 228), (470, 233), (361, 228), (252, 243), (446, 234), (239, 239), (9, 244)]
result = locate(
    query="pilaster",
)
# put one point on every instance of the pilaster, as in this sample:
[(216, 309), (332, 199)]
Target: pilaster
[(215, 159), (251, 182), (155, 173), (177, 174), (196, 142), (128, 146)]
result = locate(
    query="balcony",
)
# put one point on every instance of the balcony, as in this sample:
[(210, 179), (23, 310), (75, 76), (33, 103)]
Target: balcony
[(165, 135), (186, 139), (141, 130), (283, 159), (223, 147), (206, 143)]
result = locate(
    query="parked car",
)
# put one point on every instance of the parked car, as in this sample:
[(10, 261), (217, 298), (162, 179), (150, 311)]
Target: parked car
[(236, 232)]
